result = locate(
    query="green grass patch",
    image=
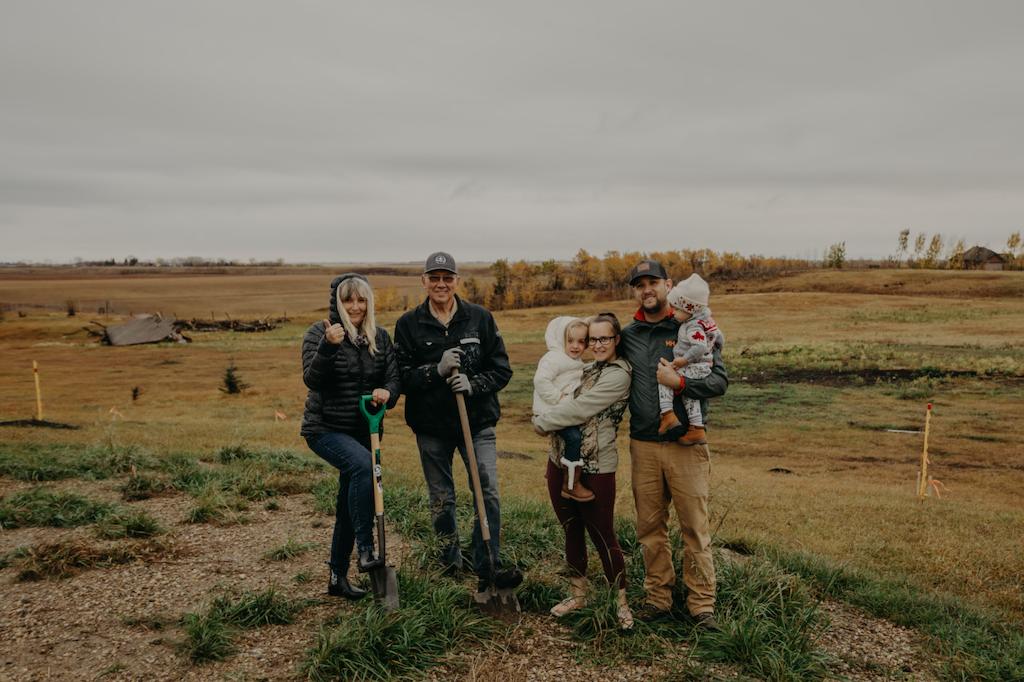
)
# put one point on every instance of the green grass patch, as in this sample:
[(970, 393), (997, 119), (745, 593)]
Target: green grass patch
[(130, 524), (289, 550), (209, 636), (973, 644), (769, 623), (141, 487), (372, 644), (37, 462), (42, 507)]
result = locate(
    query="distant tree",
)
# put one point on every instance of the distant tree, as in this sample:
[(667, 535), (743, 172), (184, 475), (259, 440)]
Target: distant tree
[(901, 251), (836, 255), (956, 255), (586, 269), (1013, 249), (233, 383), (472, 288), (931, 256), (553, 274), (502, 277)]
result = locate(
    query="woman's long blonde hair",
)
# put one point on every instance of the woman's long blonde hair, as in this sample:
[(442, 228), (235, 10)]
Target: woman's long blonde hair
[(359, 288)]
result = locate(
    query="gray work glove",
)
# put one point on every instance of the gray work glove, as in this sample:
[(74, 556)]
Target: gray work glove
[(459, 383), (450, 359)]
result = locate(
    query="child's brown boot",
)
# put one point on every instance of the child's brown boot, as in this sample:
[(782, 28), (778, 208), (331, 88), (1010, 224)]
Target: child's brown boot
[(572, 488), (669, 421), (695, 435)]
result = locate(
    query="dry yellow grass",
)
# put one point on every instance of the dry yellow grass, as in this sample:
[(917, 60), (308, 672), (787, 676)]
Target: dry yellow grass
[(850, 493)]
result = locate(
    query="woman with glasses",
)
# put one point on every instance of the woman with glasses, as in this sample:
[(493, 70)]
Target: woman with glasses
[(597, 406), (344, 358)]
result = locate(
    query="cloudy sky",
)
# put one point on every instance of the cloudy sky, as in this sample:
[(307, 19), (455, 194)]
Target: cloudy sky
[(347, 131)]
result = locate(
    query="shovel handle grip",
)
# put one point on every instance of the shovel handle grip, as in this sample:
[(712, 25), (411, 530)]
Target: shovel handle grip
[(373, 418)]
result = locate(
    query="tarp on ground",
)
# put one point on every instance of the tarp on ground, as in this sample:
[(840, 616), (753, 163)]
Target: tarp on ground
[(142, 329)]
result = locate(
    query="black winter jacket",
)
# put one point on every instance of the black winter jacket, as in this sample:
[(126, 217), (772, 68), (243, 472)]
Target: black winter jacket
[(337, 375), (420, 340), (643, 344)]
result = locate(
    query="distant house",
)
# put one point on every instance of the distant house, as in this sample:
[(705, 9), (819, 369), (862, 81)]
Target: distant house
[(980, 258)]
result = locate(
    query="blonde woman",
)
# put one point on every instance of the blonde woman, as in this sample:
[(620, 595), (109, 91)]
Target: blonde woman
[(344, 357)]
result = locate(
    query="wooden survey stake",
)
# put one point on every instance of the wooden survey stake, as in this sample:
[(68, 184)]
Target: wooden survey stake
[(39, 394), (922, 475)]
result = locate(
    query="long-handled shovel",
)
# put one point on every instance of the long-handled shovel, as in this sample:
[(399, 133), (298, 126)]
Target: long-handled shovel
[(382, 575), (500, 596)]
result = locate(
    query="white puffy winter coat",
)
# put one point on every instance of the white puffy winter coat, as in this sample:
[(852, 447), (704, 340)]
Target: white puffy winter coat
[(558, 375)]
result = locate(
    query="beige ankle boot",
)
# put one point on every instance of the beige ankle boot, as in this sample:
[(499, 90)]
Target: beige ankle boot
[(577, 598), (625, 615)]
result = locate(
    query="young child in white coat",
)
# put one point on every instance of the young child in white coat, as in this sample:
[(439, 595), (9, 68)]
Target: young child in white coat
[(558, 375), (698, 337)]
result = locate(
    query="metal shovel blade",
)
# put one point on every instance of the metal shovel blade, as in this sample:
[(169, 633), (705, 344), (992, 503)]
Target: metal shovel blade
[(384, 582)]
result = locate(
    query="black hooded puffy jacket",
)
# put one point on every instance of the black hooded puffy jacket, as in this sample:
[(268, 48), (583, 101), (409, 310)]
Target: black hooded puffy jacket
[(337, 375)]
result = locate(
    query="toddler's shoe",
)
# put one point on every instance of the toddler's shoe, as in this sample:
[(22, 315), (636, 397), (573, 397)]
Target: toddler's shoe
[(578, 492), (669, 421), (695, 435)]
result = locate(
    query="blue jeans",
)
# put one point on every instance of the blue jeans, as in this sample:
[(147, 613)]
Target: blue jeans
[(436, 456), (353, 514), (572, 436)]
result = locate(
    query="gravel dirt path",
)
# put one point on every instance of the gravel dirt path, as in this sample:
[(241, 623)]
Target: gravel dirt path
[(120, 623)]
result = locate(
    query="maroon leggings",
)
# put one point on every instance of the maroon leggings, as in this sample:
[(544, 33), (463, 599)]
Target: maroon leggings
[(596, 517)]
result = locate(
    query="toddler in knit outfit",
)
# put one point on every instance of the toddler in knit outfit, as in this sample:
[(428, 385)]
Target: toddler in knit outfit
[(698, 337), (558, 375)]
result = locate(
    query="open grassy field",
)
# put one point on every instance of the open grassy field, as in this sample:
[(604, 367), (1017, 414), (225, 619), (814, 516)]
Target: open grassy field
[(811, 455)]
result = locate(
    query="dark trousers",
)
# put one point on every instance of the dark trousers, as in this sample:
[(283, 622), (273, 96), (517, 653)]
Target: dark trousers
[(596, 518), (353, 514), (436, 456), (572, 436)]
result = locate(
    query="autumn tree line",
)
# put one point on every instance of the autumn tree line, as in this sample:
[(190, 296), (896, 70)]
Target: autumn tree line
[(589, 277)]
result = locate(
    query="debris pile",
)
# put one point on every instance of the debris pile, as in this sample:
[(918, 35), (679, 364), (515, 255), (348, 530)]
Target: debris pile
[(154, 329), (263, 325)]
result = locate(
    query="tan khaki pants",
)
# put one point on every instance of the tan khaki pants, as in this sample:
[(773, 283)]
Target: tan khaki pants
[(665, 473)]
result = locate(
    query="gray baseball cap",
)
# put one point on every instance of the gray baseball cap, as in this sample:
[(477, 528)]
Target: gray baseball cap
[(440, 261)]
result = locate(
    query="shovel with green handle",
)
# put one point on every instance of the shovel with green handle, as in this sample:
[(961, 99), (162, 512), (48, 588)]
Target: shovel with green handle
[(383, 579)]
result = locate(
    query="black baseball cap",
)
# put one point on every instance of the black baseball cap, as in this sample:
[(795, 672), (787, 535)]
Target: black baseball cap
[(646, 268), (440, 260)]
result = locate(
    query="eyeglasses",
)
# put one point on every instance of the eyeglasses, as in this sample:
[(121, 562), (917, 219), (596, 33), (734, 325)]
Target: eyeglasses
[(600, 340), (447, 279)]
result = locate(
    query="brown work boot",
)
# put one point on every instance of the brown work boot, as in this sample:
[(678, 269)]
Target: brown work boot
[(669, 421), (578, 492), (695, 435)]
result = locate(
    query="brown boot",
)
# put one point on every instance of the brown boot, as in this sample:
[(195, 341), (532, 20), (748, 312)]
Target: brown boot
[(578, 492), (669, 421), (577, 598), (695, 435)]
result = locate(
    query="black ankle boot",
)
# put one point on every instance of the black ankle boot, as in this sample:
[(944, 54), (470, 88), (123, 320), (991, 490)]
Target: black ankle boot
[(339, 586)]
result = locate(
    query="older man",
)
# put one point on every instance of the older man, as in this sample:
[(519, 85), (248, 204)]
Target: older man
[(666, 472), (443, 334)]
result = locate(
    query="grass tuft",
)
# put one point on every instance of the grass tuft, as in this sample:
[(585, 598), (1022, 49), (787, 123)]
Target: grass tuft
[(135, 524), (289, 550), (42, 507), (64, 559), (374, 644), (143, 488), (769, 623), (209, 635), (207, 638)]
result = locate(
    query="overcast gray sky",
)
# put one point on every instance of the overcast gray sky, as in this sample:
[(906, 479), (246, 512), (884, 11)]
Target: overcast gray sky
[(346, 131)]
